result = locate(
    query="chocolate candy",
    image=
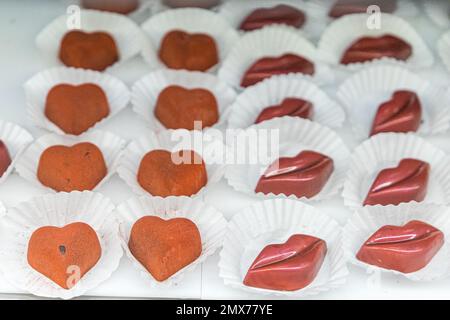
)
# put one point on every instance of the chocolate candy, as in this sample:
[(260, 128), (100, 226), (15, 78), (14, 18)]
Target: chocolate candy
[(205, 4), (344, 7), (117, 6), (280, 14), (5, 158), (293, 107)]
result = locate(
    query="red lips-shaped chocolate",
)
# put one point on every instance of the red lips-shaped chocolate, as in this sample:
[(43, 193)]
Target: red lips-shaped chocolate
[(267, 67), (402, 113), (289, 266), (303, 175), (280, 14), (370, 48), (343, 7), (293, 107), (407, 249), (406, 182), (5, 158)]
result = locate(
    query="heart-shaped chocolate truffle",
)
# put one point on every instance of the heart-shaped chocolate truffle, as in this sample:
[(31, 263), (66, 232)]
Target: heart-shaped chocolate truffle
[(370, 48), (406, 248), (289, 266), (178, 108), (303, 175), (267, 67), (205, 4), (344, 7), (79, 167), (64, 255), (406, 182), (117, 6), (182, 173), (195, 52), (95, 51), (280, 14), (5, 158), (293, 107), (164, 247), (403, 113), (75, 109)]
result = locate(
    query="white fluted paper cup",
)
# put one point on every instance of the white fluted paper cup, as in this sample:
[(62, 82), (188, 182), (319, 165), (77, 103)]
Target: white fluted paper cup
[(363, 92), (385, 150), (367, 220), (438, 11), (109, 144), (59, 210), (273, 222), (443, 47), (145, 92), (269, 92), (38, 87), (210, 222)]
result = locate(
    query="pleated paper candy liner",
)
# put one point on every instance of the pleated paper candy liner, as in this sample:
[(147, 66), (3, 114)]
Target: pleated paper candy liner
[(341, 33), (145, 92), (59, 210), (385, 150), (437, 11), (109, 144), (38, 87), (272, 91), (208, 146), (363, 92), (191, 20), (273, 222), (271, 41), (210, 222), (444, 49), (295, 135), (16, 140), (367, 220), (126, 33)]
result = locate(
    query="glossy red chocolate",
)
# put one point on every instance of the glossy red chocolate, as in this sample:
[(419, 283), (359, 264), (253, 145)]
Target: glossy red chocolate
[(117, 6), (289, 266), (403, 113), (280, 14), (344, 7), (293, 107), (407, 248), (406, 182), (303, 175), (267, 67), (370, 48), (5, 158)]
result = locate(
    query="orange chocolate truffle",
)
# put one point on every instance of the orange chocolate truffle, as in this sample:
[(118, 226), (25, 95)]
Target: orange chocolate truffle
[(117, 6), (74, 109), (79, 167), (62, 253)]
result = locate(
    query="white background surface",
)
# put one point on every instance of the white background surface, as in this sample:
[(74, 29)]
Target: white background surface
[(20, 21)]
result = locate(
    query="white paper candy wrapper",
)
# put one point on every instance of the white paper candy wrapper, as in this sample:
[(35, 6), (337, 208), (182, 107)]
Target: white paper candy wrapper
[(127, 35), (37, 88), (210, 222), (363, 92), (191, 20), (16, 140), (269, 92), (208, 146), (444, 49), (273, 222), (271, 41), (367, 220), (145, 92), (341, 33), (385, 150), (295, 135), (438, 11), (58, 210), (109, 144)]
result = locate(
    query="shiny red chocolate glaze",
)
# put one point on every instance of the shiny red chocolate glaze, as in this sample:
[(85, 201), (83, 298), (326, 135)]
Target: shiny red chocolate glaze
[(280, 14), (293, 107), (344, 7), (289, 266), (406, 248), (5, 158)]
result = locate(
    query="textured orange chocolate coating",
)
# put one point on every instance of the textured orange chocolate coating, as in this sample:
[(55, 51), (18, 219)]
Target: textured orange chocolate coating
[(117, 6), (96, 50), (164, 247), (74, 109), (160, 176), (61, 254), (79, 167)]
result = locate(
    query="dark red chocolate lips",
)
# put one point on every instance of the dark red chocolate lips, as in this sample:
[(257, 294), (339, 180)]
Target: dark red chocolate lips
[(344, 7), (293, 107), (370, 48), (403, 113), (404, 183), (280, 14), (267, 67), (289, 266), (5, 158), (406, 248), (303, 175)]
